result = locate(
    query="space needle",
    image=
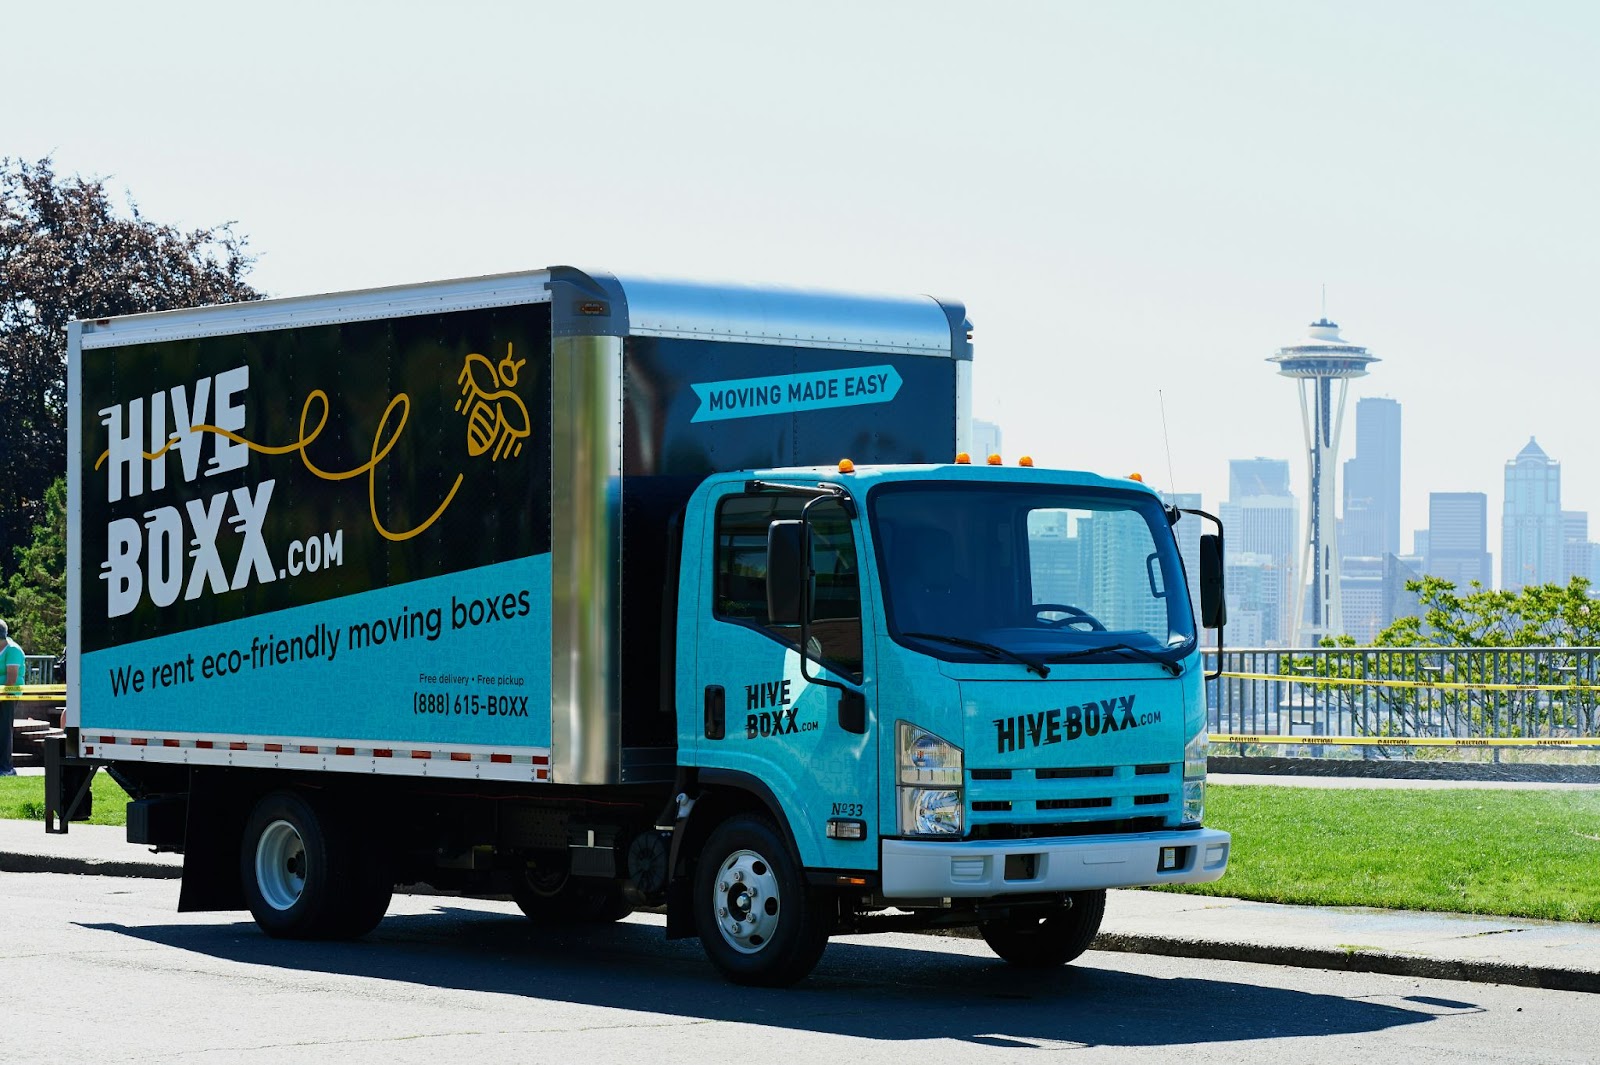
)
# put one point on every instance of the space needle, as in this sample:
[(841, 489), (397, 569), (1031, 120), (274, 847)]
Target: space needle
[(1317, 362)]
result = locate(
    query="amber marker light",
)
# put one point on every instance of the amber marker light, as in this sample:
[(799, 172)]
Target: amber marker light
[(846, 466), (1026, 460), (994, 460), (1136, 477), (963, 459)]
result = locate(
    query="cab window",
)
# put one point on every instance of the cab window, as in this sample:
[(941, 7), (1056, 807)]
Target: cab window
[(740, 593)]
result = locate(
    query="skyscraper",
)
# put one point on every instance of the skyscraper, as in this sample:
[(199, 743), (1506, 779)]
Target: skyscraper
[(1322, 364), (1531, 533), (1371, 526), (1187, 533), (985, 440), (1261, 519), (1257, 477), (1577, 557), (1458, 539)]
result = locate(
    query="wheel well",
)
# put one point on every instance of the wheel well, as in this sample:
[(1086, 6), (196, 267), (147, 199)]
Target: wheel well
[(724, 795)]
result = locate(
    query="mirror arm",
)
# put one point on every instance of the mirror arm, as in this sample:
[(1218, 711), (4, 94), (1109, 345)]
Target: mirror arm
[(852, 703), (806, 584)]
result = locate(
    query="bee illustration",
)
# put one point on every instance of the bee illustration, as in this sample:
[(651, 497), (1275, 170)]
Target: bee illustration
[(497, 419)]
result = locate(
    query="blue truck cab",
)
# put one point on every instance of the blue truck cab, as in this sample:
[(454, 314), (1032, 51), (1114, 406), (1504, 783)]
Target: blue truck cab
[(615, 593), (971, 687)]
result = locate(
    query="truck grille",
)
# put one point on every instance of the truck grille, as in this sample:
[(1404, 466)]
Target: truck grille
[(1029, 803), (1073, 804)]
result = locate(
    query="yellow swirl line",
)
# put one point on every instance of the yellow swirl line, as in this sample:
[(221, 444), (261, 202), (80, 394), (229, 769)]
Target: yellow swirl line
[(380, 451)]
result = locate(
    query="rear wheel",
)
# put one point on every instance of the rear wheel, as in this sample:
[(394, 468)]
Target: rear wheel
[(1044, 940), (557, 897), (759, 921), (304, 874)]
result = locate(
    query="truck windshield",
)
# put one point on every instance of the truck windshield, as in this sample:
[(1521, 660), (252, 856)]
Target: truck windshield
[(1048, 572)]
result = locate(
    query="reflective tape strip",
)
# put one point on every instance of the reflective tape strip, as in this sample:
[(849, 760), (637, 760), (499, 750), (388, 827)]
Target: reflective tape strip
[(345, 750)]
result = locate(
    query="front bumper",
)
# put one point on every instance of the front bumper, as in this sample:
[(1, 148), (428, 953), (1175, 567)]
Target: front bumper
[(985, 868)]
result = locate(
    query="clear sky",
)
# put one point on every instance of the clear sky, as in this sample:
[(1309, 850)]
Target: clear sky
[(1136, 201)]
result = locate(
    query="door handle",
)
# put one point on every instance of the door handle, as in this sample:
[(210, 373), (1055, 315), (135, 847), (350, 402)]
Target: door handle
[(716, 712)]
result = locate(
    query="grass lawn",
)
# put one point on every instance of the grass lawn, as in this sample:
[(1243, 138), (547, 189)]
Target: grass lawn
[(1519, 853), (23, 798)]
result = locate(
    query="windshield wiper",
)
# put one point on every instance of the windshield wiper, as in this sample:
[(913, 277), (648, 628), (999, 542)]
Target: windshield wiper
[(1138, 652), (989, 649)]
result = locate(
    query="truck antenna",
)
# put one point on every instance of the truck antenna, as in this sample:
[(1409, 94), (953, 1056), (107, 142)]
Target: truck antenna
[(1172, 483)]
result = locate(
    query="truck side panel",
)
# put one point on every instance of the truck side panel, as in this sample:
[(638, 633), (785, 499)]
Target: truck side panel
[(336, 532)]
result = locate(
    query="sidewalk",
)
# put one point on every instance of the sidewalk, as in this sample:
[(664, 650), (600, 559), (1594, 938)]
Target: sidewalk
[(1443, 946)]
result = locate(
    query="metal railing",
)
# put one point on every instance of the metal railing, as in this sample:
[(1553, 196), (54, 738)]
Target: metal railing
[(1502, 696), (40, 669)]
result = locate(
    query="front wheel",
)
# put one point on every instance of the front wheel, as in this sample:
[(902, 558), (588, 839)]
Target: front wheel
[(759, 921), (1035, 941)]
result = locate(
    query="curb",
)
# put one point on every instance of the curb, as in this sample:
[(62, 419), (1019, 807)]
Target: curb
[(54, 863), (1355, 961)]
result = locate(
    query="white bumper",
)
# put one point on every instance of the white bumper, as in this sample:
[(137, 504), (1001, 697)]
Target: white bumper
[(980, 869)]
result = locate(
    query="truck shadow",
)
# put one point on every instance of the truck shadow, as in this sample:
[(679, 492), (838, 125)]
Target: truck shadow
[(879, 988)]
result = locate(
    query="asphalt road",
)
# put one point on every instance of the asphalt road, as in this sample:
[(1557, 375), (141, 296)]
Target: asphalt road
[(102, 969)]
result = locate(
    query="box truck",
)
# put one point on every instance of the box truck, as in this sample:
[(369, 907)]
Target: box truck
[(608, 594)]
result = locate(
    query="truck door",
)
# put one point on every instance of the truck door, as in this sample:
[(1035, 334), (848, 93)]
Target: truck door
[(776, 726)]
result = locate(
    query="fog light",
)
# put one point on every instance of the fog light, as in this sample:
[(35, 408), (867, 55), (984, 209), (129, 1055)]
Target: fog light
[(1169, 858)]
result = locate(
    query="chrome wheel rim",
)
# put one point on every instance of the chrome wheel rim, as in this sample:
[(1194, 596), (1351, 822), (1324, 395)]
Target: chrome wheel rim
[(281, 865), (744, 897)]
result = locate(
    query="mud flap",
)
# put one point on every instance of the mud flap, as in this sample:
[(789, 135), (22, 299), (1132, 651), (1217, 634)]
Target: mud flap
[(212, 837)]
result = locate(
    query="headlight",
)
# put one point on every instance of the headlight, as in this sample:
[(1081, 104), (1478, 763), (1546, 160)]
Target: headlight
[(1194, 777), (930, 812), (926, 759), (929, 771), (1194, 755), (1194, 801)]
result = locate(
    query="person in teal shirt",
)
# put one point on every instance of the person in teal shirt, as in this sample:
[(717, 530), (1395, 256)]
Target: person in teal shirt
[(13, 666), (13, 663)]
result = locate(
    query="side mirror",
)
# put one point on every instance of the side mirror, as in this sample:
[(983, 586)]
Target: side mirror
[(788, 551), (1213, 604)]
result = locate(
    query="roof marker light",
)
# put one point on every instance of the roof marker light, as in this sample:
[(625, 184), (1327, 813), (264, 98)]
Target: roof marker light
[(994, 460), (846, 466), (1026, 460), (1136, 477), (963, 459)]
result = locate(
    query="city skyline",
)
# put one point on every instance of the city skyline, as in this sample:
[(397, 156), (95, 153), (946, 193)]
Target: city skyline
[(1125, 273)]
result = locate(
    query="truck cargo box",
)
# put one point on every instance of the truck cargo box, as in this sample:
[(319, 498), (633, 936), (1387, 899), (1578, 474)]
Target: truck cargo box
[(424, 530)]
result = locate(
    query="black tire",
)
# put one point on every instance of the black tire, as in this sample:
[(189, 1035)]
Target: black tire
[(560, 898), (305, 876), (761, 924), (1043, 941)]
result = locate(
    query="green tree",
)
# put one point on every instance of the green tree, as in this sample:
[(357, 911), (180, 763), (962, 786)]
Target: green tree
[(34, 600), (1542, 615), (1536, 616), (67, 253)]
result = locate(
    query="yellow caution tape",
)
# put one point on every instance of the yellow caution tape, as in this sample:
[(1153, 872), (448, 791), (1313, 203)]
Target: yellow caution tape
[(32, 692), (1575, 686), (1404, 741)]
